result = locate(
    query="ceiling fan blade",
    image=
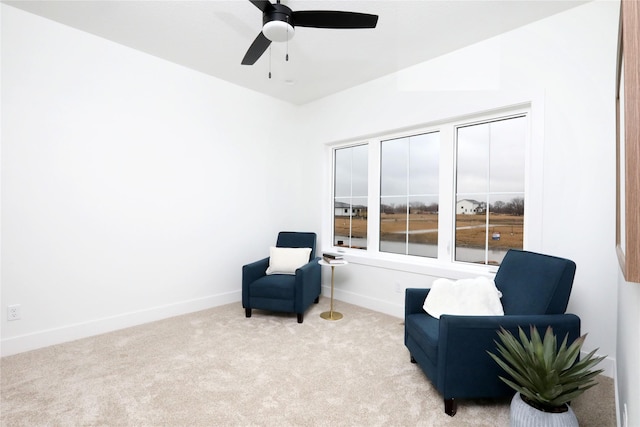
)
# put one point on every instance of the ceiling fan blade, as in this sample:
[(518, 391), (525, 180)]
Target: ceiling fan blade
[(263, 5), (257, 48), (333, 19)]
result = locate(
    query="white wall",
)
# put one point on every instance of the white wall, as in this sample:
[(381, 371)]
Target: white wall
[(132, 188), (628, 361), (565, 66)]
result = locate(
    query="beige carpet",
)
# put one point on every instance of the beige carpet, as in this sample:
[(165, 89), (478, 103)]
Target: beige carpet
[(217, 368)]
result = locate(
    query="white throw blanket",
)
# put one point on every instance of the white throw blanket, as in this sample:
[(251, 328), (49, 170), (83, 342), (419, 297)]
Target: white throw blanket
[(471, 297)]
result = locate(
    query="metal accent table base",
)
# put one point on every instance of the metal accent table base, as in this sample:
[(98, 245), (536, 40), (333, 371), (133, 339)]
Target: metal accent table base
[(331, 315)]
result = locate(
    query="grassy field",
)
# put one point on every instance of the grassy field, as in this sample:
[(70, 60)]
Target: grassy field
[(393, 225), (510, 228)]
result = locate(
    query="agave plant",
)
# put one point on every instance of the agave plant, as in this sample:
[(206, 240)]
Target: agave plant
[(546, 376)]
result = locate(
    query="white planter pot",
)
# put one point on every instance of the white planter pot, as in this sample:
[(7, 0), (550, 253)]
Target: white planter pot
[(523, 415)]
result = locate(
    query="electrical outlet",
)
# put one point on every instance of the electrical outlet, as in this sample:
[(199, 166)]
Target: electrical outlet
[(13, 312), (398, 288)]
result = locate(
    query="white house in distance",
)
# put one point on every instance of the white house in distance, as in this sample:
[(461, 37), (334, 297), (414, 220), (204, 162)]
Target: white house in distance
[(348, 210), (469, 207)]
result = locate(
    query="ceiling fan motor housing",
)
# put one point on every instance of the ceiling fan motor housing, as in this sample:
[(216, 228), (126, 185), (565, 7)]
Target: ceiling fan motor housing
[(278, 23)]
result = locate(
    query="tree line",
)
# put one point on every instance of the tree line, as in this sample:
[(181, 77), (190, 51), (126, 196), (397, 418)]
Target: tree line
[(513, 207)]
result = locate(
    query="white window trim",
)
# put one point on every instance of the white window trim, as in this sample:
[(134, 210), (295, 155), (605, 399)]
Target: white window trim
[(444, 265)]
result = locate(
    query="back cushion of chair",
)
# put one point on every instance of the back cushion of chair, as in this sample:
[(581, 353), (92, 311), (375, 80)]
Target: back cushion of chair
[(533, 283), (292, 239)]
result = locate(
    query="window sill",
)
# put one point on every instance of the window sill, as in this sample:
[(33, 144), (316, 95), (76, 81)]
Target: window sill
[(416, 265)]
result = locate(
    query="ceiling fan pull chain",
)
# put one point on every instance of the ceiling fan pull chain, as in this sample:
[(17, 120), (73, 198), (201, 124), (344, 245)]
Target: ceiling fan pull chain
[(287, 56), (269, 61)]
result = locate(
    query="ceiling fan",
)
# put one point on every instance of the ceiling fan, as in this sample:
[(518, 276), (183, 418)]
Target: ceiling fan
[(279, 24)]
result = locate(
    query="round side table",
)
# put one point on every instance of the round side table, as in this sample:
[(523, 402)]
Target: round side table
[(332, 315)]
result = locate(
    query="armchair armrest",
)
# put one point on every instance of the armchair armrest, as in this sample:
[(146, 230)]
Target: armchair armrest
[(255, 270), (309, 267), (414, 300), (465, 340), (307, 282), (250, 273), (458, 334)]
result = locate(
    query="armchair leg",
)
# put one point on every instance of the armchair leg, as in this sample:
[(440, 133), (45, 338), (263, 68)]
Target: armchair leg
[(413, 360), (450, 406), (317, 300), (247, 312), (300, 317)]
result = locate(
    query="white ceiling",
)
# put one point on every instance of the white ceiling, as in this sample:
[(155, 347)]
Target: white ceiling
[(212, 36)]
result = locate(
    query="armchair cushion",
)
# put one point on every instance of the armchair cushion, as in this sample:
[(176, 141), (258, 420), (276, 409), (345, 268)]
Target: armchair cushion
[(274, 286), (287, 260), (472, 297)]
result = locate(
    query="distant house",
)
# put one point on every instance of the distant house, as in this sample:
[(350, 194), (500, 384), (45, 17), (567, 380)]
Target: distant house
[(470, 207), (347, 210)]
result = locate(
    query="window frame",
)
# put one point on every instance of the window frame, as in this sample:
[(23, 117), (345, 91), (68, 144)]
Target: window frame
[(445, 261), (487, 119), (335, 248), (408, 192)]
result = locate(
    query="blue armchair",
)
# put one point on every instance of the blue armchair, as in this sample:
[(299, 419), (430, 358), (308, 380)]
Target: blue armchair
[(283, 292), (452, 350)]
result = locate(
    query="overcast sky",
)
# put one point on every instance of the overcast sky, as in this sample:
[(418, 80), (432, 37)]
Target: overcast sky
[(490, 158), (410, 165)]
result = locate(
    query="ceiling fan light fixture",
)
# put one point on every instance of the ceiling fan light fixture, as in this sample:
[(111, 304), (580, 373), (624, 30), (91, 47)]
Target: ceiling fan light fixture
[(278, 31)]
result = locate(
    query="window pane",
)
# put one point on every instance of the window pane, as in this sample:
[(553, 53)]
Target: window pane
[(409, 172), (423, 226), (506, 225), (350, 223), (360, 171), (470, 230), (424, 162), (393, 167), (473, 159), (342, 178), (341, 223), (393, 224), (350, 197), (490, 190), (507, 156)]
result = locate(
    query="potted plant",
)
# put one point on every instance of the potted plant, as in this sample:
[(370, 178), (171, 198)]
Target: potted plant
[(545, 377)]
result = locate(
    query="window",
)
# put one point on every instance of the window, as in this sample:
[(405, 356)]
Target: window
[(409, 177), (489, 190), (350, 197), (453, 192)]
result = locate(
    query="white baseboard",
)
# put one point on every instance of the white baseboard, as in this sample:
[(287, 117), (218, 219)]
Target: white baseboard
[(374, 304), (48, 337), (608, 364), (621, 422)]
